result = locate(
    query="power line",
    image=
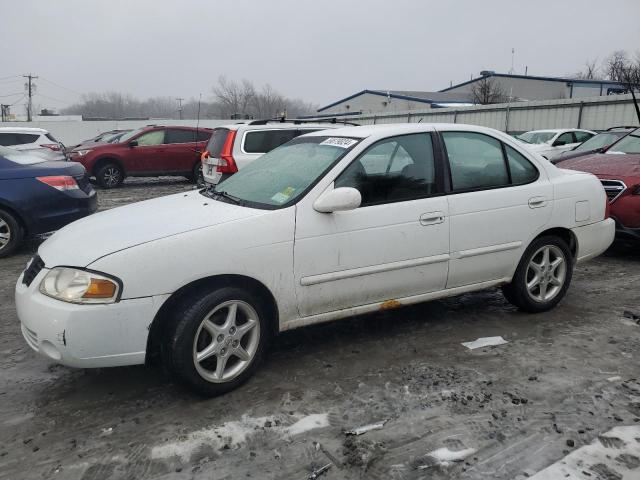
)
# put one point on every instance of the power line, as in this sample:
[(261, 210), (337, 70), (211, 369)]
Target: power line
[(60, 86), (11, 76), (11, 94), (52, 98)]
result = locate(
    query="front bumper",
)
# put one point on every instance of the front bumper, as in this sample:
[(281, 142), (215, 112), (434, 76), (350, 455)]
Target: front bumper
[(85, 336)]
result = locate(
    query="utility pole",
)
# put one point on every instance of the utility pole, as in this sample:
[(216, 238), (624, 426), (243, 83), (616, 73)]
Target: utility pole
[(31, 88), (179, 99)]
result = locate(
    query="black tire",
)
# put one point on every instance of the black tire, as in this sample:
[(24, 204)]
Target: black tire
[(110, 175), (196, 175), (519, 294), (11, 233), (187, 336)]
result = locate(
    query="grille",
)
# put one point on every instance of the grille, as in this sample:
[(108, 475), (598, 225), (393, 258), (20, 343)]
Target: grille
[(30, 336), (32, 270), (613, 188)]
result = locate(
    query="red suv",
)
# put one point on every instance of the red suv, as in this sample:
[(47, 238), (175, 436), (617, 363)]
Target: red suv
[(150, 151), (619, 172)]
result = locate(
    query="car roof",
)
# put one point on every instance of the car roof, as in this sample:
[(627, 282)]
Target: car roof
[(403, 128), (22, 130), (558, 130), (278, 126)]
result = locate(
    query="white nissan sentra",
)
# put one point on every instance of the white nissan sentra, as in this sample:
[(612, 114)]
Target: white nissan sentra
[(329, 225)]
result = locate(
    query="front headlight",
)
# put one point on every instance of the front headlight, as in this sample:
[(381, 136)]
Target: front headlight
[(79, 286)]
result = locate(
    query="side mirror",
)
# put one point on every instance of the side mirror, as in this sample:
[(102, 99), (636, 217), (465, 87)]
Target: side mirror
[(338, 200), (558, 143), (133, 143)]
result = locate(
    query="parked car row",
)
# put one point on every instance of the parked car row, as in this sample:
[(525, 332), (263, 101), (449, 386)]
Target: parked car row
[(332, 223)]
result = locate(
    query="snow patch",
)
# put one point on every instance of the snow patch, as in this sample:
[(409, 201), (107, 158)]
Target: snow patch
[(612, 455), (444, 456), (484, 342), (235, 433)]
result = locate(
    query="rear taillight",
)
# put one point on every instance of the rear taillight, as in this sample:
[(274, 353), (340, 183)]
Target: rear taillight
[(53, 146), (60, 182), (204, 155), (227, 164)]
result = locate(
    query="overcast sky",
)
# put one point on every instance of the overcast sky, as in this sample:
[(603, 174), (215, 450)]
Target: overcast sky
[(318, 50)]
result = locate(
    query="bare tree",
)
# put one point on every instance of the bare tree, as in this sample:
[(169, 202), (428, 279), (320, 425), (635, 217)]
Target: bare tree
[(590, 72), (235, 98), (487, 90), (621, 69)]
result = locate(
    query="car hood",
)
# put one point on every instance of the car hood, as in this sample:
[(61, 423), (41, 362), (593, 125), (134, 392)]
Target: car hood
[(613, 165), (84, 241)]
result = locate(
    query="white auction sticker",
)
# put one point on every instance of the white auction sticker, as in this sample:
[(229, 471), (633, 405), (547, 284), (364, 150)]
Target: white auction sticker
[(339, 142)]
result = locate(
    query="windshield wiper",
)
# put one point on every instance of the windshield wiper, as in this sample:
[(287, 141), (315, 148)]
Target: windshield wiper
[(223, 194)]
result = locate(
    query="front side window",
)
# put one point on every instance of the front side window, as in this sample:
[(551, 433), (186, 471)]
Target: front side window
[(629, 144), (536, 137), (281, 176), (395, 169), (155, 137), (476, 161)]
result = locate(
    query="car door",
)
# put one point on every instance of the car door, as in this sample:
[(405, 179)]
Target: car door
[(498, 199), (147, 154), (395, 245), (181, 150)]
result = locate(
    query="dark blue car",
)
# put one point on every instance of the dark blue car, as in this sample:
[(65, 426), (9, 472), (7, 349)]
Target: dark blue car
[(39, 196)]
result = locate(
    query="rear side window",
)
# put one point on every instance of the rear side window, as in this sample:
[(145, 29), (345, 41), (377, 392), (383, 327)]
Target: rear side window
[(263, 141), (216, 142), (582, 136), (565, 139), (204, 135), (522, 171), (8, 139), (475, 160), (179, 135)]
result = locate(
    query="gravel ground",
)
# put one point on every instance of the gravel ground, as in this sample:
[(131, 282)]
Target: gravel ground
[(501, 412)]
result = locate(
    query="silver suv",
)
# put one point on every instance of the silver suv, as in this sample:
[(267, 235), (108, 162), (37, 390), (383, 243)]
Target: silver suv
[(232, 147)]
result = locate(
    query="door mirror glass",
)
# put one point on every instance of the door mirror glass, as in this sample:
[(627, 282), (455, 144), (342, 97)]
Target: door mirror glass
[(338, 200), (558, 143), (133, 143)]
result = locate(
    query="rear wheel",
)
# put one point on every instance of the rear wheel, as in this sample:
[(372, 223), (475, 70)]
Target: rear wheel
[(542, 277), (217, 339), (10, 233), (109, 175)]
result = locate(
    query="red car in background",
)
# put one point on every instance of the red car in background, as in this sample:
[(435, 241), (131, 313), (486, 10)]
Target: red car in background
[(619, 172), (150, 151)]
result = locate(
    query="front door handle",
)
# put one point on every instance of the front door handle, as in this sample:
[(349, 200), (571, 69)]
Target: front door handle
[(431, 218), (537, 202)]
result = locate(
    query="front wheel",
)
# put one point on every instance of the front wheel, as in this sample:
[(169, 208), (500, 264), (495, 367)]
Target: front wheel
[(542, 277), (110, 175), (10, 234), (217, 339)]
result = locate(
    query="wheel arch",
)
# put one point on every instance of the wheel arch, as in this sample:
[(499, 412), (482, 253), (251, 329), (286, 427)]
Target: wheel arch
[(565, 234), (162, 318), (16, 214)]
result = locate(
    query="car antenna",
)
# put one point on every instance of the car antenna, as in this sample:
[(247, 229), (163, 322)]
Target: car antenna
[(198, 118)]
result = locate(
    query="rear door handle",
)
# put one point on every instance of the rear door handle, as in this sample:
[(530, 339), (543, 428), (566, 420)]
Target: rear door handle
[(431, 218), (537, 202)]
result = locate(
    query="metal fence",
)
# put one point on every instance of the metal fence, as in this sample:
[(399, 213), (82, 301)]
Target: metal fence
[(598, 113)]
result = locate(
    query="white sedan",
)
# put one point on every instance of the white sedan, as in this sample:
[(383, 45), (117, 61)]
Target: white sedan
[(551, 143), (330, 225)]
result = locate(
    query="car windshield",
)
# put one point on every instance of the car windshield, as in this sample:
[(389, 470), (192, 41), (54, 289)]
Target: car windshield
[(23, 158), (598, 141), (131, 134), (629, 144), (537, 137), (277, 178)]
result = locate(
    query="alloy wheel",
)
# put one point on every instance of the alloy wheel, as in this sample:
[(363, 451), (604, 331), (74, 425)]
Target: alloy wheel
[(226, 341), (111, 176), (5, 234), (546, 273)]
